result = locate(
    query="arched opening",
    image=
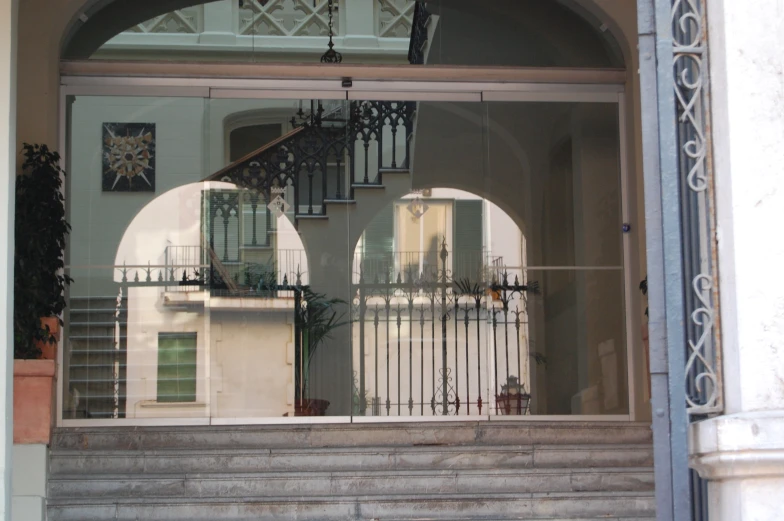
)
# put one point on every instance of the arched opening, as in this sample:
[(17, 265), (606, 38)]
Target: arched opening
[(573, 33), (165, 311), (552, 162)]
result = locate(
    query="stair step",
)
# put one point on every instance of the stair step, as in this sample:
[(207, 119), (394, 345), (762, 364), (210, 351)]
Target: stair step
[(375, 186), (95, 337), (96, 323), (394, 170), (412, 482), (437, 505), (92, 462), (355, 435), (340, 201), (311, 217)]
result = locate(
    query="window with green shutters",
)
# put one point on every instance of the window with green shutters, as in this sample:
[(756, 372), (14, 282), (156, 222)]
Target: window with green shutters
[(379, 240), (392, 233), (176, 367), (467, 262)]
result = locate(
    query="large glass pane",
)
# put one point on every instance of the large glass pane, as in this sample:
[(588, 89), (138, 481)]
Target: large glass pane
[(558, 164), (243, 259), (134, 348)]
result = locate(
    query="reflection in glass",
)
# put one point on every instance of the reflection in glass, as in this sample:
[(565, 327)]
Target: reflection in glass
[(509, 33), (335, 258)]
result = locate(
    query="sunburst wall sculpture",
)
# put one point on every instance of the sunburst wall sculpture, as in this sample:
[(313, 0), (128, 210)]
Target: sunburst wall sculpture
[(128, 157)]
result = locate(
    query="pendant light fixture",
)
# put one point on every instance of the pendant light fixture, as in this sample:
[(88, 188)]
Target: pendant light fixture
[(331, 56)]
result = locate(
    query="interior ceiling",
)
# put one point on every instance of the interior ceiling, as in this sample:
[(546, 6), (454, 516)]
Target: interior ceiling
[(107, 18)]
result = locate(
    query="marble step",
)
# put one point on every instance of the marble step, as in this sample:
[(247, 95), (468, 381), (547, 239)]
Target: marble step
[(75, 462), (483, 433), (349, 483), (615, 506)]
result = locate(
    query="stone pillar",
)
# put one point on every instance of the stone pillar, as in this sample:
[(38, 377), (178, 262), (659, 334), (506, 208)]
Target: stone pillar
[(359, 19), (742, 452), (220, 23), (8, 25)]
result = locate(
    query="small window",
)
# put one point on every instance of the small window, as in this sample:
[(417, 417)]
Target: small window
[(176, 367)]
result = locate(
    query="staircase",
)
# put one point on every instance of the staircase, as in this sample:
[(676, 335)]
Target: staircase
[(573, 471), (93, 357)]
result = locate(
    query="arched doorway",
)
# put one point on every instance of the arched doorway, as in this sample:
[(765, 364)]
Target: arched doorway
[(550, 155)]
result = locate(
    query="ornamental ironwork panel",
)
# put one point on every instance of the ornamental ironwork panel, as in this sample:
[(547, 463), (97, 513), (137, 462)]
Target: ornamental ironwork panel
[(396, 18), (328, 153), (285, 18), (703, 356), (419, 37), (184, 21)]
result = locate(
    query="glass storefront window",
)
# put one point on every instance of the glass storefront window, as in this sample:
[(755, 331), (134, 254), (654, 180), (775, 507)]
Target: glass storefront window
[(257, 259)]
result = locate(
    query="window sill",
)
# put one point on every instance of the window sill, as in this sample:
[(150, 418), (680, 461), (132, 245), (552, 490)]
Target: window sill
[(154, 404)]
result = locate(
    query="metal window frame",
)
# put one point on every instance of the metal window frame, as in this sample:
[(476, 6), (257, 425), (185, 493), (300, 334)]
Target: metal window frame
[(682, 315), (418, 84)]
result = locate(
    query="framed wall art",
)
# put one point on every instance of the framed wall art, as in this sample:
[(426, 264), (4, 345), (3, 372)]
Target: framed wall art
[(128, 157)]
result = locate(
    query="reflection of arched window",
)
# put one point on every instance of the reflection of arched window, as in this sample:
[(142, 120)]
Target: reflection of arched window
[(408, 235)]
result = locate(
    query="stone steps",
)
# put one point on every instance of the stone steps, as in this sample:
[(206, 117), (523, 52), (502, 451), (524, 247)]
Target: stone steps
[(256, 485), (440, 506), (492, 470), (78, 462), (487, 433)]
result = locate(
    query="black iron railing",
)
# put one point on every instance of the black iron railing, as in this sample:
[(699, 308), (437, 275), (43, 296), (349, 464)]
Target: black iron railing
[(424, 337)]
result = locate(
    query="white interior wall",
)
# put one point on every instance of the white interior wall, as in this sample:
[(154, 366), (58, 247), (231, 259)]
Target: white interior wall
[(8, 46)]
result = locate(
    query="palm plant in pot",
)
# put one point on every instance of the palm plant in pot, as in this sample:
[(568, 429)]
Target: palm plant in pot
[(39, 286), (316, 320)]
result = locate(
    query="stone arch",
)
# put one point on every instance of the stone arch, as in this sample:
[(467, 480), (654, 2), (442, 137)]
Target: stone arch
[(93, 22), (470, 190), (147, 235)]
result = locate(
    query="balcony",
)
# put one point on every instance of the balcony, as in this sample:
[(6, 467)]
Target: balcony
[(272, 30)]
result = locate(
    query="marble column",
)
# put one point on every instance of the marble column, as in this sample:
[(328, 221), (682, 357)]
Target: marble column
[(742, 452), (8, 25)]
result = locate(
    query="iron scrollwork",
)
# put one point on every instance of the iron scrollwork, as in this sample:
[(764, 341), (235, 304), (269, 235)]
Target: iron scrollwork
[(690, 58)]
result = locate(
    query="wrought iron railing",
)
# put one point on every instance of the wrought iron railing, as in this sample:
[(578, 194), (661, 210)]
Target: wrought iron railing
[(419, 35), (192, 268), (457, 323), (324, 159), (377, 267)]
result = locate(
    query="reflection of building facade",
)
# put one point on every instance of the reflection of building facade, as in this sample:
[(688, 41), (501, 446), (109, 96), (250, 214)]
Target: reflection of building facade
[(438, 241)]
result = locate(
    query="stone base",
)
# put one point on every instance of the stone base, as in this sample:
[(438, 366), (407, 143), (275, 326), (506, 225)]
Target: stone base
[(30, 469), (742, 456)]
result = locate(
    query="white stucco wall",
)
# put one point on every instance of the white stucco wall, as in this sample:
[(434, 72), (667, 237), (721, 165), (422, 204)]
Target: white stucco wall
[(742, 451)]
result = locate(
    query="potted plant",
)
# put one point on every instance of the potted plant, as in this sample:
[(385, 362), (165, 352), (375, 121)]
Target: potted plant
[(316, 320), (39, 286), (645, 338)]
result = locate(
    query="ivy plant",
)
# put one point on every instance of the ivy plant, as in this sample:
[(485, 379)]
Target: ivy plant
[(41, 230)]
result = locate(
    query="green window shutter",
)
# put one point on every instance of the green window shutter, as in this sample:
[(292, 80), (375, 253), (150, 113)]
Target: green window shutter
[(261, 224), (467, 258), (176, 367), (379, 240)]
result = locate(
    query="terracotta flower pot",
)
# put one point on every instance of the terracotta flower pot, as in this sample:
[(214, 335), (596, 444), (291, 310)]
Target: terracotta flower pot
[(49, 350), (310, 407), (33, 398)]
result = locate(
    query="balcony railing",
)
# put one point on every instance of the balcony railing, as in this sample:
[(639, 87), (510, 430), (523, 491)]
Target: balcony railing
[(382, 27)]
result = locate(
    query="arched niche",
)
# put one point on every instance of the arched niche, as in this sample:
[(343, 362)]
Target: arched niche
[(562, 33)]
